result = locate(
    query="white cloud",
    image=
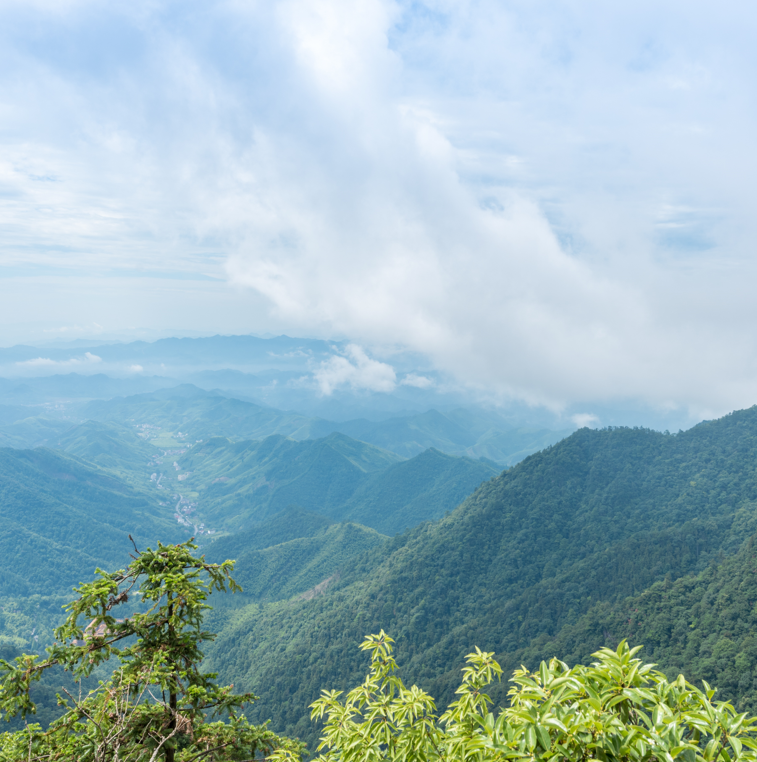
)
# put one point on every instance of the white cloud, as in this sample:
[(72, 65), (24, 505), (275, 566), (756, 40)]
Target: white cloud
[(355, 370), (552, 200), (46, 362), (136, 368), (419, 382), (585, 420), (38, 362), (380, 223)]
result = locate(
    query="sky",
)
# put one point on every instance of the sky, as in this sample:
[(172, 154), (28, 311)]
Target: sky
[(553, 201)]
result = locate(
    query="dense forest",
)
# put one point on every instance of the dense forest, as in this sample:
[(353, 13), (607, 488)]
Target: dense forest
[(607, 535), (597, 518)]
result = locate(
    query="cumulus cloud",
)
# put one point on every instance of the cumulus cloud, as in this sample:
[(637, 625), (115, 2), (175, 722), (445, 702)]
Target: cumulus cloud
[(553, 201), (417, 381), (355, 370), (389, 229)]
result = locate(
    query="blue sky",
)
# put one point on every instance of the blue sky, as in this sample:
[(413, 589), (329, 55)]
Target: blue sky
[(552, 200)]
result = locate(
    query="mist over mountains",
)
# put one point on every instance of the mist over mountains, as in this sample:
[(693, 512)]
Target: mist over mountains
[(446, 522), (334, 380)]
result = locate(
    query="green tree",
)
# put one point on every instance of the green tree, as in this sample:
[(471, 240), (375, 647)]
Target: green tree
[(158, 703), (615, 709)]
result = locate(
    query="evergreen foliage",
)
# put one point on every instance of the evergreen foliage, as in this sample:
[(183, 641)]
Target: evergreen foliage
[(158, 704), (704, 624)]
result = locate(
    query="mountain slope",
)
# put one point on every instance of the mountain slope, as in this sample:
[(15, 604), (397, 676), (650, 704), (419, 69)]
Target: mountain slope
[(60, 519), (35, 431), (202, 414), (703, 625), (300, 566), (238, 484), (599, 516), (461, 432), (110, 446), (290, 524), (421, 489)]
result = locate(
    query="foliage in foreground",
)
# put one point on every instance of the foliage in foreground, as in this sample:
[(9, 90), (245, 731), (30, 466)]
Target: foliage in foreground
[(615, 709), (158, 704)]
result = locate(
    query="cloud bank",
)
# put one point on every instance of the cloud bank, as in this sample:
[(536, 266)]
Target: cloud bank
[(87, 359), (551, 200)]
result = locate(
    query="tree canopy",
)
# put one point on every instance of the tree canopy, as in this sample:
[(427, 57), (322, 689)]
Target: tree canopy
[(158, 704), (617, 708)]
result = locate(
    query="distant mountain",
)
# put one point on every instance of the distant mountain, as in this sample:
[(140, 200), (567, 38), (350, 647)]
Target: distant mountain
[(202, 414), (37, 431), (292, 523), (280, 372), (240, 484), (151, 442), (75, 386), (60, 519), (224, 351), (598, 517), (473, 433), (110, 446), (13, 413), (420, 489)]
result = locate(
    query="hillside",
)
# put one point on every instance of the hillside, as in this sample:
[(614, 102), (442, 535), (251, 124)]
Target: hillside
[(304, 565), (598, 517), (421, 489), (33, 431), (60, 519), (238, 484), (72, 386), (107, 445), (701, 624)]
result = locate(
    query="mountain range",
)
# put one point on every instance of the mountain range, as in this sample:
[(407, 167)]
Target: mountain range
[(603, 535)]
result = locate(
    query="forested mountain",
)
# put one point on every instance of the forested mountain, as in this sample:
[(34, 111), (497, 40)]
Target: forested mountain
[(704, 625), (239, 484), (304, 566), (421, 489), (110, 446), (200, 414), (74, 386), (605, 535), (598, 517), (32, 431), (60, 519)]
